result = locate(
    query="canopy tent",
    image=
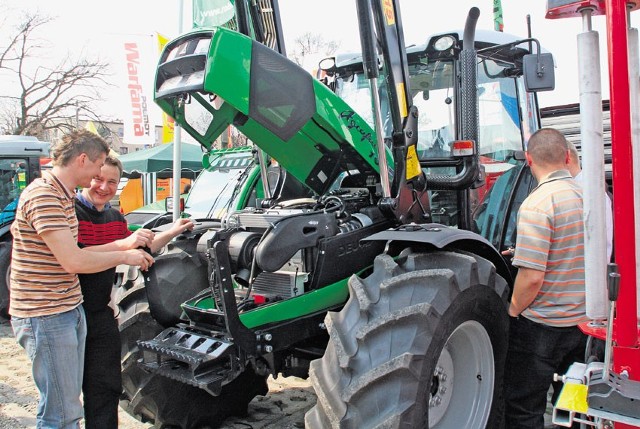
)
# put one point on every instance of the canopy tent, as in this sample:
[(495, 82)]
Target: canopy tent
[(145, 167), (160, 158)]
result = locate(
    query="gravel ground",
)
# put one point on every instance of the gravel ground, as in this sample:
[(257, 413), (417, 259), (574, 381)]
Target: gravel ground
[(284, 407)]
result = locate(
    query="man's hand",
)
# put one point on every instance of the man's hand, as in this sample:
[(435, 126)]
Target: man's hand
[(181, 225), (162, 238), (139, 258), (140, 238), (509, 252)]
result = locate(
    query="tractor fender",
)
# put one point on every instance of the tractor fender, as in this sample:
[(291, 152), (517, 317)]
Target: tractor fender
[(442, 236)]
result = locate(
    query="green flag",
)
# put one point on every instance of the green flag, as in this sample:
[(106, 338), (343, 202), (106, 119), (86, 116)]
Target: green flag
[(498, 24), (211, 13)]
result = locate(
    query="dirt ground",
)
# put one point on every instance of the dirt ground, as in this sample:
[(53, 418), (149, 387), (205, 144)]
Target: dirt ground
[(284, 407)]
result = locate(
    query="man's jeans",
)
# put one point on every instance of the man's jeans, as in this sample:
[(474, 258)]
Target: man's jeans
[(535, 353), (55, 345)]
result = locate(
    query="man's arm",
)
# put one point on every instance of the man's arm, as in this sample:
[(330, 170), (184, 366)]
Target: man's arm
[(179, 226), (146, 238), (526, 287), (139, 239), (76, 260)]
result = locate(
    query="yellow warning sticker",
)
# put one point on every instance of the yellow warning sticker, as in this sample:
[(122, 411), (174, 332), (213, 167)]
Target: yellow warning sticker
[(413, 165), (402, 101), (389, 14), (573, 398)]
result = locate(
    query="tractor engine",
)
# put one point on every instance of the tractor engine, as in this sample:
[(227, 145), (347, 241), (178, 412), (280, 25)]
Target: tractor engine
[(274, 252)]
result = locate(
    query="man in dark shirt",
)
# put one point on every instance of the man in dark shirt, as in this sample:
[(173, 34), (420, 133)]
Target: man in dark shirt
[(99, 224)]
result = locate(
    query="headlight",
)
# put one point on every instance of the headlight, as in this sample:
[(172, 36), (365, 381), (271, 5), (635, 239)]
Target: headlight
[(444, 43), (232, 221)]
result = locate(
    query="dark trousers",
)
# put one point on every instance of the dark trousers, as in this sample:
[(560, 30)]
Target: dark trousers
[(535, 353), (102, 382)]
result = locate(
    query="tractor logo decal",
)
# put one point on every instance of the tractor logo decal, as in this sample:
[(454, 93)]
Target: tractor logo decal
[(352, 123)]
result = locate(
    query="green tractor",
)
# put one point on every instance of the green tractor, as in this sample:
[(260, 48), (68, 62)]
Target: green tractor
[(381, 277)]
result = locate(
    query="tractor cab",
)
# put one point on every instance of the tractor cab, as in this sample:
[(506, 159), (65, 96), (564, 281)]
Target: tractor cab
[(507, 116)]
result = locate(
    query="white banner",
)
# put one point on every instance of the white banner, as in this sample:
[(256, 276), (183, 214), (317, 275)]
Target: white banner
[(140, 113)]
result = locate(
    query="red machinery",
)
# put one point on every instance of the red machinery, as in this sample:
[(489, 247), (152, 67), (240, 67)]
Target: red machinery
[(612, 391)]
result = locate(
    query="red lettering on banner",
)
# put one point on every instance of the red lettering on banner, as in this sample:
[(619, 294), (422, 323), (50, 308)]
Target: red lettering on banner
[(139, 111)]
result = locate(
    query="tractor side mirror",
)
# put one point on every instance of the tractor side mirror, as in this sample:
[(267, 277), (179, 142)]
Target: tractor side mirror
[(169, 201), (539, 73)]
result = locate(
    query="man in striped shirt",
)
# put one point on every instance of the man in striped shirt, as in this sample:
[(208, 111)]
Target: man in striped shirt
[(548, 300), (47, 318)]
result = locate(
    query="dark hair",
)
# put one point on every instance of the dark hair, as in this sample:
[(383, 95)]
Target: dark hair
[(112, 160), (548, 146), (75, 144)]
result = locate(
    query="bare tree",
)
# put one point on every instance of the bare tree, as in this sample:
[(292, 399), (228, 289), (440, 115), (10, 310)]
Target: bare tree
[(309, 46), (45, 98)]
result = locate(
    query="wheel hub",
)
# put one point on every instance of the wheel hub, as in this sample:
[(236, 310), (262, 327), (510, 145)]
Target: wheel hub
[(461, 389), (441, 386)]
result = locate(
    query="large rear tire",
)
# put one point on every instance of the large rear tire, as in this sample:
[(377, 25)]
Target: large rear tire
[(421, 343)]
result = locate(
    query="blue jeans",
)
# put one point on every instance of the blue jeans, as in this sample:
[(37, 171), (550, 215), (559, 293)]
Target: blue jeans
[(535, 353), (55, 345)]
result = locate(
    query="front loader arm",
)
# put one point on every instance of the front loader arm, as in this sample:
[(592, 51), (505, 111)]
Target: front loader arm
[(407, 197)]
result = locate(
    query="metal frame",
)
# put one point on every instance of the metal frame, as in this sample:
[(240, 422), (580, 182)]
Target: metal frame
[(626, 350)]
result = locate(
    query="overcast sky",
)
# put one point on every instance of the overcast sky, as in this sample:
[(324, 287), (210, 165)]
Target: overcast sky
[(100, 27)]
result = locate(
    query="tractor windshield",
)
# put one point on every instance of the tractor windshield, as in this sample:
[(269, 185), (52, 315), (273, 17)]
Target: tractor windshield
[(504, 109), (433, 88), (215, 191)]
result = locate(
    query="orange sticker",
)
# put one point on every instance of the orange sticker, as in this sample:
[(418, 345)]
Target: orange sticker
[(389, 13)]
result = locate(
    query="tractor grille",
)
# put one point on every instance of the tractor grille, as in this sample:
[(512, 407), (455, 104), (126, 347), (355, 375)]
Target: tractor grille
[(282, 284), (250, 219)]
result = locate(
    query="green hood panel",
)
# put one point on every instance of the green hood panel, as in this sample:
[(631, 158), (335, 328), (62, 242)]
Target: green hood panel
[(296, 119)]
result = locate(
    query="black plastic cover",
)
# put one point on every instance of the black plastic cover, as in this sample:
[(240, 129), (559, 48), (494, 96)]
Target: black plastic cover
[(292, 234)]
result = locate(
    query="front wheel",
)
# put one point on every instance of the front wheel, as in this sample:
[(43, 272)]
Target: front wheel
[(421, 343)]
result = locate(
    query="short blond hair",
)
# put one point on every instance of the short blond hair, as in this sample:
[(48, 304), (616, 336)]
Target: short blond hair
[(76, 143)]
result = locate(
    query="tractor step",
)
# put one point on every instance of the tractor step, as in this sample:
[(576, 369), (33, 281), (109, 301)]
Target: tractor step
[(187, 356)]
